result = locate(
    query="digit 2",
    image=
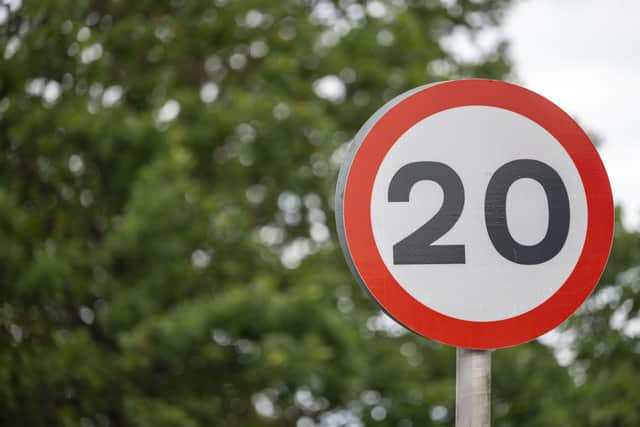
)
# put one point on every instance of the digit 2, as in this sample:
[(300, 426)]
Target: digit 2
[(417, 247)]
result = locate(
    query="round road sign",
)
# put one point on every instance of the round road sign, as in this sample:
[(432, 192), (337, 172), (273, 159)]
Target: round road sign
[(475, 213)]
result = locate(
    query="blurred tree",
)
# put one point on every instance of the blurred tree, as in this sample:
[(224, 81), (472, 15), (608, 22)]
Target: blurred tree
[(167, 257)]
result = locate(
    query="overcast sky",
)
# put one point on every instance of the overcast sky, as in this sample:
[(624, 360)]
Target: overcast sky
[(584, 55)]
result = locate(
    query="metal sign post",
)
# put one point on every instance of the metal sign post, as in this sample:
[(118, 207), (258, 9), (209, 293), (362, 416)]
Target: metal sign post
[(473, 388), (421, 214)]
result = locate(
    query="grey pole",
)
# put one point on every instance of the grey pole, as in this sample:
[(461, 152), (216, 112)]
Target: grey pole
[(473, 388)]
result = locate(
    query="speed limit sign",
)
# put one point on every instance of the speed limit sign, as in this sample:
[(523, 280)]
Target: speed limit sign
[(475, 212)]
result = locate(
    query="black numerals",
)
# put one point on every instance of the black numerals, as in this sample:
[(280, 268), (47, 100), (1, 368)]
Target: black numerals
[(418, 247)]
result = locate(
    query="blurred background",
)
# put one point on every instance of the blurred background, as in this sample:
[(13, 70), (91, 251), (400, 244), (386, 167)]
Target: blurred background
[(167, 243)]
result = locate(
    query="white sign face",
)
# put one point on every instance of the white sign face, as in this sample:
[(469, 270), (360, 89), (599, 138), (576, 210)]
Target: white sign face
[(475, 142)]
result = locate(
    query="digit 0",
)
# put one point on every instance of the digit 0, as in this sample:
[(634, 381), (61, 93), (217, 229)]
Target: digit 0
[(495, 212)]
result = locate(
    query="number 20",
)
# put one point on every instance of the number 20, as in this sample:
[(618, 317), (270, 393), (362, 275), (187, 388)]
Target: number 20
[(417, 248)]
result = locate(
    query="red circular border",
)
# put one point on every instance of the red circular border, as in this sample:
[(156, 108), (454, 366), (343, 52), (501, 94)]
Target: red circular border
[(383, 286)]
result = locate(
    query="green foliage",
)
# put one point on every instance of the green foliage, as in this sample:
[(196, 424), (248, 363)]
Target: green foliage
[(168, 254)]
